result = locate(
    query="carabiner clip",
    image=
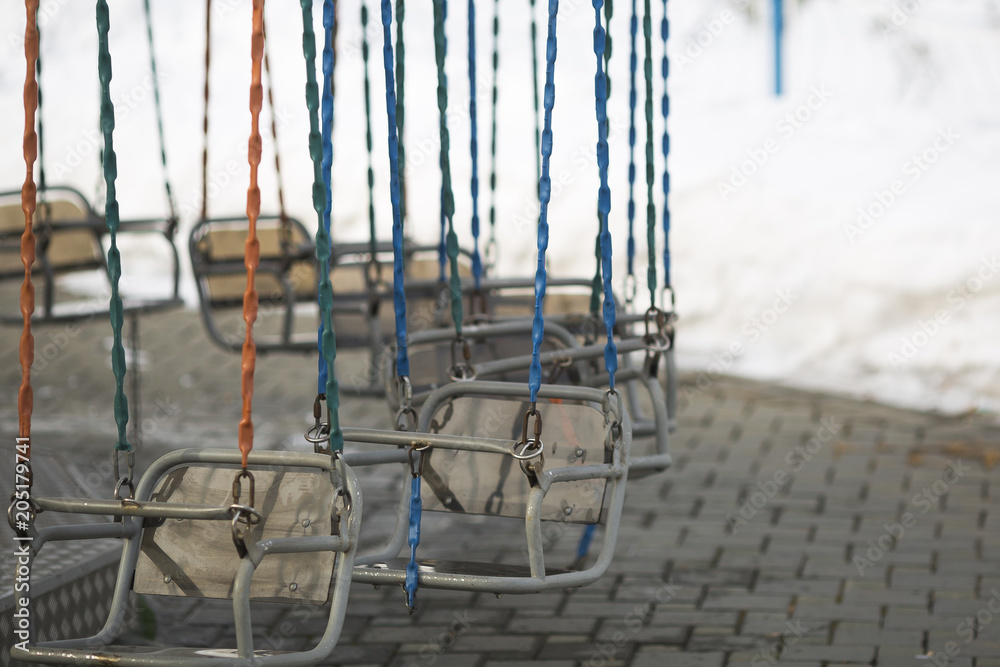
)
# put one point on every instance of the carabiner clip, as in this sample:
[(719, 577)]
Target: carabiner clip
[(528, 448), (461, 369), (319, 432), (406, 416)]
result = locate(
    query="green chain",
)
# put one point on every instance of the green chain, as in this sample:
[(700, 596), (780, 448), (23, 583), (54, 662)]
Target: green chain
[(322, 237), (440, 47), (534, 75), (159, 114), (372, 239), (491, 245), (647, 68), (112, 220), (597, 284)]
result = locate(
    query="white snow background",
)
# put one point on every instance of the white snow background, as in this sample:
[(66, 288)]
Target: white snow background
[(891, 107)]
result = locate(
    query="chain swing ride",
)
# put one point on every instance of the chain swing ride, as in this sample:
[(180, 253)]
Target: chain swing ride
[(567, 457)]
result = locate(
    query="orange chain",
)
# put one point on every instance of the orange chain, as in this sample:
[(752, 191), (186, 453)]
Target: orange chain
[(28, 202), (252, 252)]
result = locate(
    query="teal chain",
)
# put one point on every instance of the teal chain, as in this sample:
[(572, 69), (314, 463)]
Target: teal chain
[(647, 68), (534, 75), (596, 286), (159, 114), (329, 338), (440, 48), (491, 245), (372, 239), (112, 220)]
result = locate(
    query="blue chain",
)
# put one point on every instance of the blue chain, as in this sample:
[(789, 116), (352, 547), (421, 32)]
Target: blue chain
[(398, 295), (399, 298), (413, 539), (327, 101), (477, 265), (604, 197), (544, 195), (665, 109)]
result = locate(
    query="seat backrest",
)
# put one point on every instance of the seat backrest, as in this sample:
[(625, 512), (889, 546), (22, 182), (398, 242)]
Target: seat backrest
[(217, 248), (484, 483), (192, 558), (67, 249)]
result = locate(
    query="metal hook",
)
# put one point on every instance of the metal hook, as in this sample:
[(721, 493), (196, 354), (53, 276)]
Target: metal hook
[(658, 341), (319, 432), (529, 448), (238, 487), (631, 287), (416, 462), (461, 369)]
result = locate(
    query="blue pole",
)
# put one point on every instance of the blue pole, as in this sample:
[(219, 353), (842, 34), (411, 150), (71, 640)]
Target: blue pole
[(779, 29)]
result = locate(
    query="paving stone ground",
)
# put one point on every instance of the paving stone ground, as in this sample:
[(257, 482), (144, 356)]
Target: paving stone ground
[(799, 528)]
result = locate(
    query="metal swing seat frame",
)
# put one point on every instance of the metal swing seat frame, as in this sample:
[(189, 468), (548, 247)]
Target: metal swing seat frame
[(135, 517), (71, 242), (383, 566), (288, 279), (567, 353)]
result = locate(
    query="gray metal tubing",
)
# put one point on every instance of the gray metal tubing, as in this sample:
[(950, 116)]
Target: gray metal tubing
[(491, 329), (152, 510), (617, 472), (658, 427), (293, 545), (533, 532), (516, 327), (671, 388), (406, 439), (241, 608), (90, 651), (86, 531), (581, 353), (381, 457)]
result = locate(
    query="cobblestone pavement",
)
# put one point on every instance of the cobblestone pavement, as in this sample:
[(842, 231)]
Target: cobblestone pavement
[(794, 527)]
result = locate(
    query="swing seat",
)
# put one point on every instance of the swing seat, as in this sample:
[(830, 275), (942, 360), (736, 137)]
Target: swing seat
[(502, 351), (471, 430), (286, 281), (179, 535), (69, 236)]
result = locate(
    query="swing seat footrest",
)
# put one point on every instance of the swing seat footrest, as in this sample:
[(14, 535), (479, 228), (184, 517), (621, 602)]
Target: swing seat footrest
[(148, 656), (458, 568)]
